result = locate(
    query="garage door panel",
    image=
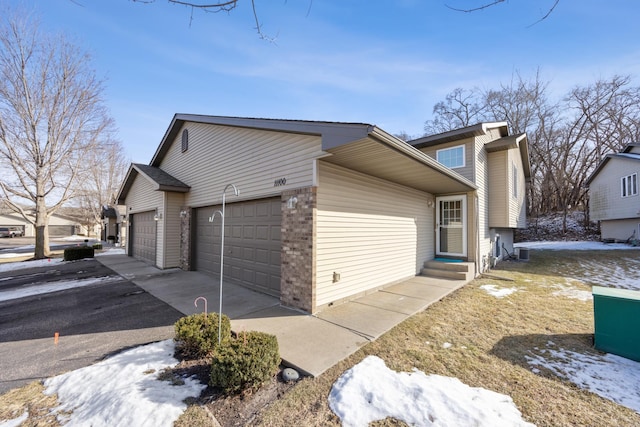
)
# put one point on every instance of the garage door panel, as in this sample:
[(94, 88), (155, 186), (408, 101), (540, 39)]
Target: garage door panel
[(252, 240), (144, 236)]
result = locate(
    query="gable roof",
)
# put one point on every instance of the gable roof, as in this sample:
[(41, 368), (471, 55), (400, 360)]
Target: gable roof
[(624, 154), (457, 134), (160, 180), (359, 146)]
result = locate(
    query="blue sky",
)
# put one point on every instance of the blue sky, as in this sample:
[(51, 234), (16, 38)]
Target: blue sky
[(380, 62)]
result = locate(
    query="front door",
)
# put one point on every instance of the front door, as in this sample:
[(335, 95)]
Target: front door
[(451, 226)]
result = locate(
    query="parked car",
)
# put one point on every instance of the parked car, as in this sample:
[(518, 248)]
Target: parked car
[(16, 231), (11, 232)]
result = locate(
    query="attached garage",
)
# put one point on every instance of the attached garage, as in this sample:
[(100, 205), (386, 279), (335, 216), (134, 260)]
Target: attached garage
[(251, 247), (143, 238), (61, 230)]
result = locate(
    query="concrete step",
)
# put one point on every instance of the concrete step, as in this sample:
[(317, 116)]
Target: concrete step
[(445, 274), (449, 270)]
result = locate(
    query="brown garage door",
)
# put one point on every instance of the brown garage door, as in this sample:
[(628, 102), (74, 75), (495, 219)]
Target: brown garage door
[(144, 236), (251, 246)]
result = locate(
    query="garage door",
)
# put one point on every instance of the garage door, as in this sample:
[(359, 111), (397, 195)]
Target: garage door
[(251, 246), (61, 230), (144, 237)]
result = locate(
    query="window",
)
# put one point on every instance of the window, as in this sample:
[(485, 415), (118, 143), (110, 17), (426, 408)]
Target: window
[(451, 157), (185, 140), (514, 181), (629, 185)]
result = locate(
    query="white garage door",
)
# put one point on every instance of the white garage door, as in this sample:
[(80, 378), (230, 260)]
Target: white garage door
[(251, 247), (144, 236)]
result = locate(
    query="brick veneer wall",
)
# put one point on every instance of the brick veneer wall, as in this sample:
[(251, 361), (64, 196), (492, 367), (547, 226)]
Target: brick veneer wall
[(185, 238), (297, 271)]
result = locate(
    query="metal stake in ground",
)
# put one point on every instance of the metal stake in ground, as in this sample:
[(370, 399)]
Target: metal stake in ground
[(236, 192)]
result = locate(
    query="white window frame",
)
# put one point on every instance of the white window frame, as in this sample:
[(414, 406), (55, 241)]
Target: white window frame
[(442, 151), (629, 185)]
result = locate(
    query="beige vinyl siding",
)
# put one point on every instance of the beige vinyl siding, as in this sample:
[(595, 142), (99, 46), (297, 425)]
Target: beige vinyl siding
[(480, 226), (171, 224), (605, 197), (250, 159), (467, 171), (500, 189), (141, 198), (517, 205), (369, 231)]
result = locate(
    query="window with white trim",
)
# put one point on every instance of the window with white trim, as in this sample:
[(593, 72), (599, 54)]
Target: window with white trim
[(629, 185), (451, 157)]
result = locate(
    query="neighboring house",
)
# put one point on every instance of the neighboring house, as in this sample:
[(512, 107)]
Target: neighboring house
[(613, 195), (326, 211), (114, 224), (59, 226)]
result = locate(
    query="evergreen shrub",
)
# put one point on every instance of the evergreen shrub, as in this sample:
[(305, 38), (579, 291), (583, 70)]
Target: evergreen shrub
[(78, 252), (197, 334), (247, 361)]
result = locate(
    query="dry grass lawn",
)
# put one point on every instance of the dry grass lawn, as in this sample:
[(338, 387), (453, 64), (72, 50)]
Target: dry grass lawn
[(490, 338)]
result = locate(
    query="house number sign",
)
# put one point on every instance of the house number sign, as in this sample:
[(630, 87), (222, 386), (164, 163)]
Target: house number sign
[(280, 182)]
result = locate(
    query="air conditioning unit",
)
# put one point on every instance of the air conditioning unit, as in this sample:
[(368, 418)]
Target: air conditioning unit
[(522, 254)]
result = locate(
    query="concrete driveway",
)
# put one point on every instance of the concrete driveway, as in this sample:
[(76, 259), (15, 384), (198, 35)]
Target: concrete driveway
[(92, 321)]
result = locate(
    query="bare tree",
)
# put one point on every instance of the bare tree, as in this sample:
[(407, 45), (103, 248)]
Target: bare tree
[(51, 116), (460, 108), (489, 4), (567, 139), (215, 7), (99, 190)]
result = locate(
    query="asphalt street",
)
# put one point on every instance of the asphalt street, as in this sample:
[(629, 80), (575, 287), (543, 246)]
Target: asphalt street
[(92, 321)]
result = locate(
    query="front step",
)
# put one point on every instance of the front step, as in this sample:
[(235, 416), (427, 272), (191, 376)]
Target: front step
[(449, 270)]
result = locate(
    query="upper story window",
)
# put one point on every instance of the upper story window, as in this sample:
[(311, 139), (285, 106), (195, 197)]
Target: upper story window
[(629, 185), (451, 157), (185, 140)]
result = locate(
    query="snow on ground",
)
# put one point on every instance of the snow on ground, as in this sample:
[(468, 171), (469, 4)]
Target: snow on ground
[(48, 287), (15, 266), (613, 275), (498, 292), (612, 377), (111, 251), (370, 391), (582, 245), (124, 390)]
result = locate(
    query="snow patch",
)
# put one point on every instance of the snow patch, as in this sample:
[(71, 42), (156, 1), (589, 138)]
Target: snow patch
[(23, 265), (497, 292), (49, 287), (370, 391), (124, 390), (16, 421), (607, 375)]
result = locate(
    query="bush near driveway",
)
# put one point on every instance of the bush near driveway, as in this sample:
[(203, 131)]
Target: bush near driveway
[(247, 361), (197, 335)]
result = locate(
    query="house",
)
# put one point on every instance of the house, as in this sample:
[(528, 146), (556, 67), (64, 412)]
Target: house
[(613, 195), (113, 224), (59, 225), (324, 211)]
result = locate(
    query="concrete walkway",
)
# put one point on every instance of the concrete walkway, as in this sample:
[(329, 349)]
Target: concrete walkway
[(310, 343)]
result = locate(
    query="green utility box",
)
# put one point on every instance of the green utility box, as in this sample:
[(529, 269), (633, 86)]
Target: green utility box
[(617, 321)]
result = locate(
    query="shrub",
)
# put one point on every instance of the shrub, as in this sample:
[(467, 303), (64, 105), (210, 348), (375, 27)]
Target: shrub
[(197, 335), (78, 252), (247, 361), (97, 246)]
